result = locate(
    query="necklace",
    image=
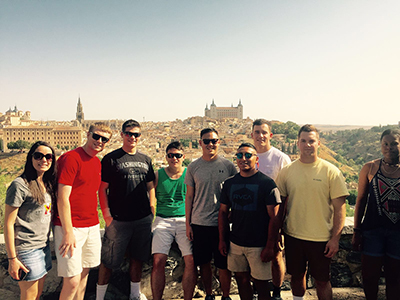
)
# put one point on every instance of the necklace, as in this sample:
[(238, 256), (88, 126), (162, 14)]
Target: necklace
[(389, 165)]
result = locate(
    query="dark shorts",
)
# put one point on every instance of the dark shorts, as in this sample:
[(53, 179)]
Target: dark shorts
[(380, 242), (205, 246), (300, 252), (134, 236)]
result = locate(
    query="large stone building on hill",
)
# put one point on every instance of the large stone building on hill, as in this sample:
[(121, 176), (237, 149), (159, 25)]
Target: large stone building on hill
[(57, 136), (215, 112)]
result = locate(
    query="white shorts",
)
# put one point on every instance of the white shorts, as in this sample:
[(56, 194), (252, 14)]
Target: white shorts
[(86, 254), (248, 259), (165, 231)]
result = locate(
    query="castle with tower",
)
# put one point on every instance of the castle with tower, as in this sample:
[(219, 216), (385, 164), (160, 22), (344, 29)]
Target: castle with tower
[(215, 112)]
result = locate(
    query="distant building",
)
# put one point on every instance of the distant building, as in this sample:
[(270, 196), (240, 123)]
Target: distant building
[(15, 117), (80, 119), (215, 112), (55, 135), (80, 116)]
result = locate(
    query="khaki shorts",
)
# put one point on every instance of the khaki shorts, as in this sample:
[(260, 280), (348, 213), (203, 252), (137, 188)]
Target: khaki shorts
[(248, 259), (86, 254), (165, 231)]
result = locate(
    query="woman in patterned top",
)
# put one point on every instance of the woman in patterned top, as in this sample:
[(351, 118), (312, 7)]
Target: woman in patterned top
[(377, 218)]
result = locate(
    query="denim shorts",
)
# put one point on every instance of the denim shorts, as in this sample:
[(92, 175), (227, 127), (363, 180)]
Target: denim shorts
[(380, 242), (38, 262)]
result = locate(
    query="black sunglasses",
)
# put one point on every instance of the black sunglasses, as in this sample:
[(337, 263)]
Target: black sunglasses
[(207, 141), (39, 156), (176, 155), (97, 137), (131, 134), (247, 155)]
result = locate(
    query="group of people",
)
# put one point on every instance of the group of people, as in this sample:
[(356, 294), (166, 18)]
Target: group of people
[(242, 220)]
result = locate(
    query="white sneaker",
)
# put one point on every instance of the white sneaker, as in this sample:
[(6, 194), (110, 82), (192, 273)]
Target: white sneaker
[(141, 297)]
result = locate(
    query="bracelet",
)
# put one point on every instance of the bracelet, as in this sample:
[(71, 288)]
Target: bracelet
[(11, 258)]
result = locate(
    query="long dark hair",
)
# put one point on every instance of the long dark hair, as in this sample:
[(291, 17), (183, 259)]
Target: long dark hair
[(49, 177)]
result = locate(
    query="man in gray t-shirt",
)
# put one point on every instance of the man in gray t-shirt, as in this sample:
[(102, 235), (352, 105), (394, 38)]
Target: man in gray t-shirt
[(203, 180)]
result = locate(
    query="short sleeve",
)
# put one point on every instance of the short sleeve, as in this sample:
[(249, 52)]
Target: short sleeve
[(337, 185), (15, 194), (232, 170), (274, 197), (68, 167), (150, 174), (106, 169), (189, 177), (280, 182), (224, 199), (285, 160)]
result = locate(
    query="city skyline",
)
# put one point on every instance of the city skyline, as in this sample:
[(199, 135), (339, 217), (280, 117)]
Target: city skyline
[(325, 62)]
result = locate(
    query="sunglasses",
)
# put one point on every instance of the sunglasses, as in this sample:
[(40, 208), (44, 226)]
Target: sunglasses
[(131, 134), (39, 156), (247, 155), (97, 137), (176, 155), (207, 141)]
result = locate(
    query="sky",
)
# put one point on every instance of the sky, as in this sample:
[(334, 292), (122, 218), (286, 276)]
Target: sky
[(318, 62)]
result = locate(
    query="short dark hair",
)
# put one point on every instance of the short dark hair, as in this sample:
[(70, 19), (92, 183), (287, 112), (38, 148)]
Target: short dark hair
[(249, 145), (259, 122), (207, 130), (394, 132), (174, 145), (308, 128), (130, 123)]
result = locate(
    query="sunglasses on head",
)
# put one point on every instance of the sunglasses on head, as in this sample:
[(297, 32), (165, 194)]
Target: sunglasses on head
[(97, 137), (176, 155), (39, 156), (247, 155), (207, 141), (131, 134)]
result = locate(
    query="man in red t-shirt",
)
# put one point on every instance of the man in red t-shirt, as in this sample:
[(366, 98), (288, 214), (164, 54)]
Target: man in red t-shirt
[(76, 230)]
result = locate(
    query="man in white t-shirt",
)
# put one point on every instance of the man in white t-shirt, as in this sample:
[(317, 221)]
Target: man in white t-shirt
[(270, 162)]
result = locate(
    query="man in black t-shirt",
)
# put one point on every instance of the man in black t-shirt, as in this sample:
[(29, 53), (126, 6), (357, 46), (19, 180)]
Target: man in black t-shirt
[(127, 200), (253, 199)]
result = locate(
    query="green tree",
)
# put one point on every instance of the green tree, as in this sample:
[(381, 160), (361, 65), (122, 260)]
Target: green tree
[(19, 145), (186, 162), (349, 210), (351, 199)]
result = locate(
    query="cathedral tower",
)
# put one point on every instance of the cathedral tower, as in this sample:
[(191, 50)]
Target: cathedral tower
[(80, 116)]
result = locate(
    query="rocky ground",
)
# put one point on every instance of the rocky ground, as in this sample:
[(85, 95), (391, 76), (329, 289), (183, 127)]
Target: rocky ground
[(338, 294)]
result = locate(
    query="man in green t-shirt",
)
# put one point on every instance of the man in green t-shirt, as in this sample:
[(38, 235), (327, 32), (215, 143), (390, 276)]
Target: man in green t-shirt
[(170, 223)]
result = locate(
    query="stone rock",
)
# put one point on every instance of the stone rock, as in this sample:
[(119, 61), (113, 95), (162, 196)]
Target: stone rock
[(341, 275)]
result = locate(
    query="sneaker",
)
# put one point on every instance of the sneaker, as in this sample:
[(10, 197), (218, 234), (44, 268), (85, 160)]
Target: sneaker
[(225, 298), (276, 298), (141, 297), (209, 297)]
